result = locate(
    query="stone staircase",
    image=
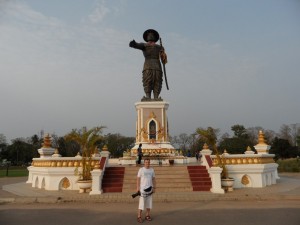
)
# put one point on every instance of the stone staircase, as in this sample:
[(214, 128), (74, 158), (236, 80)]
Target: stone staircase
[(200, 178), (113, 179), (168, 179)]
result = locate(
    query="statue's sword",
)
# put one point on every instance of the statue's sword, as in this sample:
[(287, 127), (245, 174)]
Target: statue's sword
[(164, 67)]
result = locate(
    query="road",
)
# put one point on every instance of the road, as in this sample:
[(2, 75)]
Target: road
[(191, 213)]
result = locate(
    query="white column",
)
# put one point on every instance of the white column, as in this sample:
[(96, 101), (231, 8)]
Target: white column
[(29, 180), (139, 126), (215, 175), (97, 182)]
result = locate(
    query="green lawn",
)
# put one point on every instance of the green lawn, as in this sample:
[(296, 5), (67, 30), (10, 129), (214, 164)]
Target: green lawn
[(288, 165), (14, 171)]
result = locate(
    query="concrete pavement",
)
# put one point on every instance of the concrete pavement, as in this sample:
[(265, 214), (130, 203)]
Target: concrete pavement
[(15, 190)]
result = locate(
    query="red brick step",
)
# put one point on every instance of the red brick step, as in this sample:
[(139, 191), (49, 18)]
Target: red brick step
[(199, 178), (113, 179)]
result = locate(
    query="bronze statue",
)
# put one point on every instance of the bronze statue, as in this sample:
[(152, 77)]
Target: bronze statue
[(152, 71)]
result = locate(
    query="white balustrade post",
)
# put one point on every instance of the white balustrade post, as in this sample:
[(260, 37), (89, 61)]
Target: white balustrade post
[(215, 175), (97, 182)]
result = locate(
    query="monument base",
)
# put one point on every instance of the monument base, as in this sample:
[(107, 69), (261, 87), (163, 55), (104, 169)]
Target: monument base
[(153, 149), (152, 130)]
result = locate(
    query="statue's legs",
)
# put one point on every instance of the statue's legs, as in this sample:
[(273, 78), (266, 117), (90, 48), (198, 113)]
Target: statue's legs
[(147, 82), (157, 84), (152, 81)]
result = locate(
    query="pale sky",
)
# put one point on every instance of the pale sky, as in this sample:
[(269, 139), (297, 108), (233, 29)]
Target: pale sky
[(67, 64)]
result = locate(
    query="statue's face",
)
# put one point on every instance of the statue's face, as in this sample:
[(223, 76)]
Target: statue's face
[(150, 37)]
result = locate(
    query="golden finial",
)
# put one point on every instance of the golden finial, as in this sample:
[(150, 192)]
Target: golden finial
[(96, 150), (47, 141), (205, 146), (105, 148), (249, 148), (261, 137), (56, 151)]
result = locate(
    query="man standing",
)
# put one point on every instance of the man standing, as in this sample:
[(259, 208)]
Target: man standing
[(146, 184), (139, 154), (152, 71)]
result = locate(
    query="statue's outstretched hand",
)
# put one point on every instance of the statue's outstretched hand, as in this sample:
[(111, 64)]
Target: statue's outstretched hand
[(132, 43)]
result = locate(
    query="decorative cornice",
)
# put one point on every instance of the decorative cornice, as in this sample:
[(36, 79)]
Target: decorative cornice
[(60, 163), (244, 160)]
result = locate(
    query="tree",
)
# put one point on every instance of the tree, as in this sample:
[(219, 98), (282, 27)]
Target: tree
[(189, 144), (239, 131), (3, 147), (209, 136), (252, 133), (234, 145), (283, 149), (2, 139), (285, 133), (20, 151), (68, 148), (117, 144), (87, 140), (298, 141), (295, 132), (196, 144)]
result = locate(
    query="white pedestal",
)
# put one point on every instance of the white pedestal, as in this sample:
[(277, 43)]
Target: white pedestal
[(97, 182), (215, 175), (46, 152), (152, 129)]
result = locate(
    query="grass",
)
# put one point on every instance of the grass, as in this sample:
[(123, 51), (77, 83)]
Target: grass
[(14, 171), (289, 165)]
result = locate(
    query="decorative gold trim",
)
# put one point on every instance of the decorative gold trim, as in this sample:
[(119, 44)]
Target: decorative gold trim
[(65, 183), (154, 152), (144, 134), (60, 163), (152, 115), (244, 160), (245, 180), (160, 130)]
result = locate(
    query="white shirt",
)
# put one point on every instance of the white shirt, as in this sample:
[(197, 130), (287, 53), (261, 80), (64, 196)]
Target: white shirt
[(146, 176)]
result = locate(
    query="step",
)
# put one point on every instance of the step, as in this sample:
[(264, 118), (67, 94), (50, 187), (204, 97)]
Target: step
[(201, 183), (168, 178), (199, 178), (161, 190), (199, 174), (111, 189), (107, 185), (207, 188), (113, 179)]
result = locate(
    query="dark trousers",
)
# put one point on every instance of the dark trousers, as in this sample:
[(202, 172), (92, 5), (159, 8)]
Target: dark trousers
[(139, 159)]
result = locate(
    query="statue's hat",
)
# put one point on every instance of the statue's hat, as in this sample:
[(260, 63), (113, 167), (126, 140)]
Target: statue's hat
[(156, 34)]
